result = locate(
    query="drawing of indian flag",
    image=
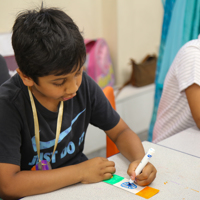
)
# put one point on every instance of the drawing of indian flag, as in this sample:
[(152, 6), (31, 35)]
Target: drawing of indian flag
[(123, 183)]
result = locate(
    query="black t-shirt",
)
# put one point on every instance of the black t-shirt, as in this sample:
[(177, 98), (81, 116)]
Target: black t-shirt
[(17, 137)]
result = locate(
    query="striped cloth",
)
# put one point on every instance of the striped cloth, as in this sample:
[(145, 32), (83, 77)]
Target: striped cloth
[(174, 113)]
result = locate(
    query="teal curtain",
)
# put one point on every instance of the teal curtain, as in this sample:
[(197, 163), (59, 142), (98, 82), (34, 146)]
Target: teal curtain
[(163, 2), (192, 21), (173, 39), (168, 8), (181, 23)]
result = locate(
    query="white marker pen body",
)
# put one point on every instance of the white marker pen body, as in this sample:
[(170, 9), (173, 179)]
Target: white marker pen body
[(143, 163)]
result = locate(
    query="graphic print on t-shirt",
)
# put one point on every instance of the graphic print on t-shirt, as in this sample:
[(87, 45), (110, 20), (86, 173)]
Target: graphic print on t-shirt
[(48, 144)]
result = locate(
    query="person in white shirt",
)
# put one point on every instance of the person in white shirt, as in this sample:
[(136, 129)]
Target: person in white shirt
[(179, 106)]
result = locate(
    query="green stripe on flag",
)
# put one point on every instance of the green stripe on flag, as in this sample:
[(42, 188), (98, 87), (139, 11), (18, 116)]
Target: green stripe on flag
[(114, 179)]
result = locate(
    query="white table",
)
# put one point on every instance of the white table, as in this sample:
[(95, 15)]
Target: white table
[(178, 177), (187, 141)]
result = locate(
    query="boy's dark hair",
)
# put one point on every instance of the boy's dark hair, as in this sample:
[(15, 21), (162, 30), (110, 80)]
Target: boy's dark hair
[(47, 42)]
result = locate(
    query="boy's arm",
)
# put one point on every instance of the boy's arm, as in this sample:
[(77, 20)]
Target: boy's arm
[(129, 144), (15, 184), (193, 97)]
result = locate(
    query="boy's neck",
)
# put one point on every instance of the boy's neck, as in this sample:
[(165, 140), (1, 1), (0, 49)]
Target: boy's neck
[(50, 104)]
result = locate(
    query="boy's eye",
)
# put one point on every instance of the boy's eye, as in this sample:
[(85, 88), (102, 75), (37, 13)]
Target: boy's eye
[(59, 84)]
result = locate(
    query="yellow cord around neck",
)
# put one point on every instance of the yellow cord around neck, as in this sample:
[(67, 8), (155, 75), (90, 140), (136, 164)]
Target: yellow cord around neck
[(36, 125)]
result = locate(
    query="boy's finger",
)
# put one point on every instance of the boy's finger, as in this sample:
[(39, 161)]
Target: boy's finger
[(107, 176), (144, 174), (132, 167), (111, 170), (108, 163), (133, 176), (104, 158), (147, 181), (111, 163)]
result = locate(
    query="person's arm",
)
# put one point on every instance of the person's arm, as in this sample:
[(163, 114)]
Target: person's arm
[(129, 144), (193, 97), (15, 184)]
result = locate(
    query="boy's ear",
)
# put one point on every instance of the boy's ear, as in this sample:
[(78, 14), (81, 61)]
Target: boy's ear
[(26, 80)]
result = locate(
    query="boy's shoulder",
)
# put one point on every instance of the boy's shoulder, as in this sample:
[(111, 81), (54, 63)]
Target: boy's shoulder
[(87, 80), (89, 87), (85, 76)]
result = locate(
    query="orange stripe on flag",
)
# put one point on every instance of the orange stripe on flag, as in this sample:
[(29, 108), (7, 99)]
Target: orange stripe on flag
[(147, 192)]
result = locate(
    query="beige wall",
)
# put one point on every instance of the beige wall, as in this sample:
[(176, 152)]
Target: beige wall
[(139, 30), (132, 28), (86, 13)]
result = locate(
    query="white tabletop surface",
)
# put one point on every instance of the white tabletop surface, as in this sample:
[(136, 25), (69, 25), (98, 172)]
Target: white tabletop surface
[(178, 177), (187, 141)]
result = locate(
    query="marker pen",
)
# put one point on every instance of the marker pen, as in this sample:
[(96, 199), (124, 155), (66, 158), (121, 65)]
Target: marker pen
[(143, 163)]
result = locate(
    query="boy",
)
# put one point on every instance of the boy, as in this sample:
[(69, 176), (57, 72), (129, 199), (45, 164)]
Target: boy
[(50, 52)]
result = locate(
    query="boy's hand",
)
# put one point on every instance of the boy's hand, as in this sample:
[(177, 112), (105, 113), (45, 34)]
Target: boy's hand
[(97, 169), (147, 175)]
